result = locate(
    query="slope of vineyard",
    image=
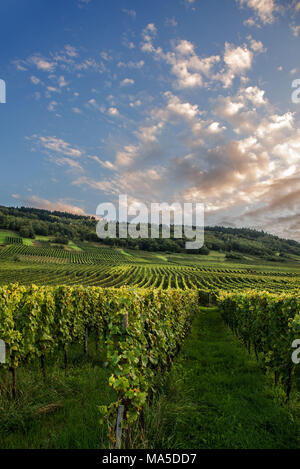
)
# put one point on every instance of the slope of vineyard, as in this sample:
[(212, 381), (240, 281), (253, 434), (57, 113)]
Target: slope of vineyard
[(110, 267), (137, 306)]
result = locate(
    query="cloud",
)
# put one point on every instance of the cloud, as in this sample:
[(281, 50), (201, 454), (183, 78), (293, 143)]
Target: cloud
[(127, 81), (192, 70), (179, 143), (250, 22), (264, 9), (56, 145), (256, 46), (238, 60), (189, 69), (41, 63), (105, 164), (132, 64), (67, 59), (211, 135), (113, 111), (60, 205), (64, 161)]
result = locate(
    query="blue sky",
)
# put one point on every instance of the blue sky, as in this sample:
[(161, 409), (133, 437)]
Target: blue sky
[(162, 100)]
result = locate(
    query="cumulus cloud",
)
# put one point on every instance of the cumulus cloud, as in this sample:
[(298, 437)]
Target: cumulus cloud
[(238, 60), (264, 9), (191, 70), (186, 65)]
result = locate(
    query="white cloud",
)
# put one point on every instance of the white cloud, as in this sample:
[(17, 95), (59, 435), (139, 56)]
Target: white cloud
[(105, 164), (127, 81), (113, 111), (61, 205), (57, 145), (41, 63), (250, 22), (132, 64), (256, 46), (238, 61), (186, 65), (264, 9)]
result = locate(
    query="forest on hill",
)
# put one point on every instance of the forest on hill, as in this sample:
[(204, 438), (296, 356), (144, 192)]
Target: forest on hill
[(63, 227)]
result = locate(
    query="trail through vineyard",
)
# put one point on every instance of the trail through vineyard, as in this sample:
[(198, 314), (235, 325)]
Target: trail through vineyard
[(218, 397), (215, 396)]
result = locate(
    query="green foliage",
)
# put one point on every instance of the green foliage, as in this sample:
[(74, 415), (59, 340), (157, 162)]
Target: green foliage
[(29, 222), (142, 329), (269, 323)]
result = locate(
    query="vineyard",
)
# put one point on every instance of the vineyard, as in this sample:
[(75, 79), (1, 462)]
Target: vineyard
[(142, 329), (137, 308), (105, 267)]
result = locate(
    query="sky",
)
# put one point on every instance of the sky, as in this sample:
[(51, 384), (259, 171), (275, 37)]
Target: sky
[(161, 100)]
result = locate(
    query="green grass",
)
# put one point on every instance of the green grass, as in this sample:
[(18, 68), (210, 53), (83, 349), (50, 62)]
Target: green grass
[(216, 396), (28, 242), (122, 251), (5, 233), (60, 413), (74, 247)]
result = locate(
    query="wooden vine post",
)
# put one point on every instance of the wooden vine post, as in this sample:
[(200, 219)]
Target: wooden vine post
[(121, 409), (86, 335), (119, 426)]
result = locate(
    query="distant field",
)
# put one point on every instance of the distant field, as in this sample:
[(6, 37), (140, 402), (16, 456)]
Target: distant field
[(89, 264)]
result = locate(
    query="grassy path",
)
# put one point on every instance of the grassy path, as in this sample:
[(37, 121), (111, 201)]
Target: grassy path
[(214, 397), (217, 397)]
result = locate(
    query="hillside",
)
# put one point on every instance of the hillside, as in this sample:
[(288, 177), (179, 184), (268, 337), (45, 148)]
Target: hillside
[(63, 228)]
